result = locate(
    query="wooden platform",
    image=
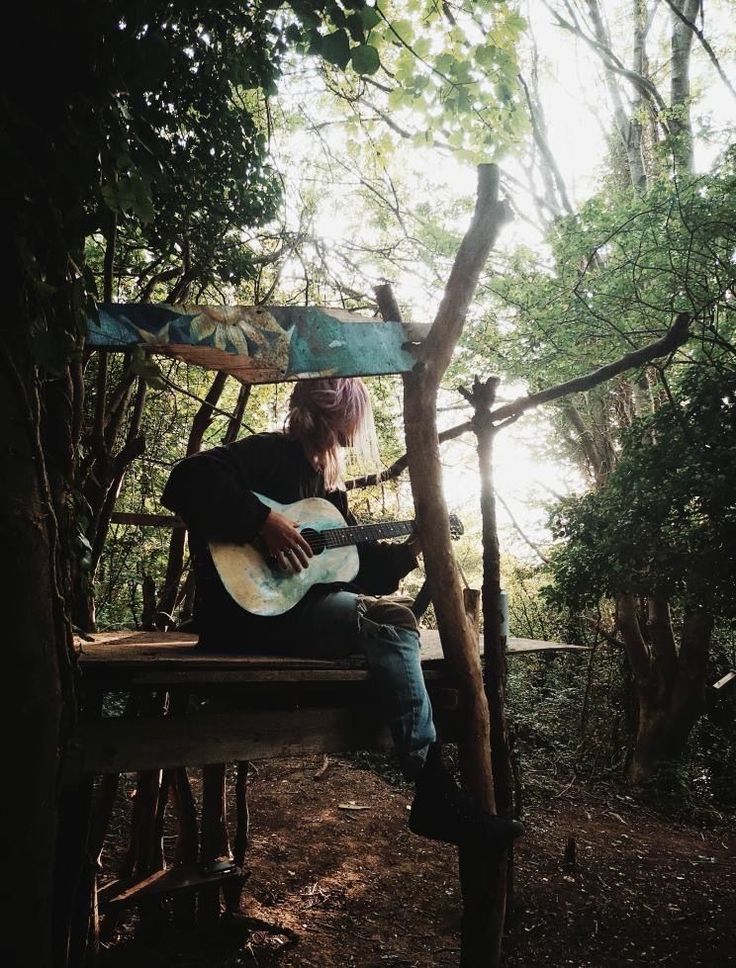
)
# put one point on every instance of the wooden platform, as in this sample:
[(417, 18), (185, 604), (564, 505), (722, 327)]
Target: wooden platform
[(124, 659), (243, 706)]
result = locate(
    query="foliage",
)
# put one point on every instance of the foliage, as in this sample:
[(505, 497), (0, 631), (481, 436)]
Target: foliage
[(448, 75), (148, 121), (665, 522), (617, 274)]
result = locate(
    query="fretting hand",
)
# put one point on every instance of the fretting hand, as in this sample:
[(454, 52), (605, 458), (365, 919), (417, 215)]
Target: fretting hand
[(285, 542)]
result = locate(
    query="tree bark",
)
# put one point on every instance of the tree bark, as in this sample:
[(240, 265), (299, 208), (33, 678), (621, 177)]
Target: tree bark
[(669, 686), (484, 892), (40, 419), (31, 673), (495, 670), (681, 44), (627, 128)]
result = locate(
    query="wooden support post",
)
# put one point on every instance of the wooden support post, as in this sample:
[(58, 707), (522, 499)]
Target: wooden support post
[(215, 845), (482, 397), (484, 905), (185, 850), (145, 852), (187, 835), (232, 889)]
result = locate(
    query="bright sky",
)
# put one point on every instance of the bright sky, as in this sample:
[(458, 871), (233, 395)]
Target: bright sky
[(578, 119)]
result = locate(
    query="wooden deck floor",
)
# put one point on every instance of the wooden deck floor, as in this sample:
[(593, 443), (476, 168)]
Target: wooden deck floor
[(154, 652), (246, 706)]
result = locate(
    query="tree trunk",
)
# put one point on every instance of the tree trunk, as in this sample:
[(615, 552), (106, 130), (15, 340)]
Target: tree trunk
[(670, 690), (39, 419), (663, 732), (681, 45), (627, 129), (33, 708), (483, 882)]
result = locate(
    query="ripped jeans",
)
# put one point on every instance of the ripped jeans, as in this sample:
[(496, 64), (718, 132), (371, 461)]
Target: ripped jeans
[(343, 623)]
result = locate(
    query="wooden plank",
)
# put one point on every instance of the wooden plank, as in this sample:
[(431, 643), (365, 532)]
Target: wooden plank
[(124, 746), (176, 649), (259, 344), (168, 883), (729, 677), (125, 660), (517, 646), (122, 678)]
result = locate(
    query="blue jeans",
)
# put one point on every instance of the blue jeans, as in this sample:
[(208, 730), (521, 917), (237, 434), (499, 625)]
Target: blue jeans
[(342, 623)]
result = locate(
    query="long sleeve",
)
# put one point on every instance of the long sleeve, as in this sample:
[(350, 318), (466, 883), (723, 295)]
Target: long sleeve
[(211, 492), (382, 566)]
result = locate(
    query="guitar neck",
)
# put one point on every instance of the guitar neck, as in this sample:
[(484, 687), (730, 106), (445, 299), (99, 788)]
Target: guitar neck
[(340, 537)]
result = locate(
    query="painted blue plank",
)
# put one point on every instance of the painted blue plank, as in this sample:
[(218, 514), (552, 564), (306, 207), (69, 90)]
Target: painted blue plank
[(257, 343)]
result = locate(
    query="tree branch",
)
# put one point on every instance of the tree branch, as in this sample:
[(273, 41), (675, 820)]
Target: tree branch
[(401, 463), (542, 143), (676, 336), (489, 217), (706, 46)]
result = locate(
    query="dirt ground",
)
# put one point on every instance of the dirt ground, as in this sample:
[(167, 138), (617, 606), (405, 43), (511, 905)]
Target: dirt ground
[(330, 886)]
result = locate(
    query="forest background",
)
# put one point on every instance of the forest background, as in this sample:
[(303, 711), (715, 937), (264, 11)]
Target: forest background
[(302, 153), (619, 173)]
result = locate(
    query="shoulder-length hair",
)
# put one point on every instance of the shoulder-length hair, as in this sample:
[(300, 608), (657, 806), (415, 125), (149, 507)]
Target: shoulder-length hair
[(327, 415)]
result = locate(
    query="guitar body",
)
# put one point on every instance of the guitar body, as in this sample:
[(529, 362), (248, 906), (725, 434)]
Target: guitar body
[(261, 587)]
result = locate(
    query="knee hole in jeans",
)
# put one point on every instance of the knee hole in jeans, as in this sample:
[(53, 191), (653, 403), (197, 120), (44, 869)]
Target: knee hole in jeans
[(391, 613)]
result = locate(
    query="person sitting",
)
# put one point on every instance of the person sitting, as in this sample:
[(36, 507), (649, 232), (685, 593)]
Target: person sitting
[(215, 492)]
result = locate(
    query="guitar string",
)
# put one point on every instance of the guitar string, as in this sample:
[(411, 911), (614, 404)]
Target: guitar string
[(337, 537)]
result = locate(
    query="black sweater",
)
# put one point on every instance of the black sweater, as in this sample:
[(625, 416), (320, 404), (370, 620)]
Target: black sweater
[(213, 492)]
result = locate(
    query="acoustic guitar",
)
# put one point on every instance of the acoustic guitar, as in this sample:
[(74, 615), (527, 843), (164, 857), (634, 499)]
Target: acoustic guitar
[(261, 587)]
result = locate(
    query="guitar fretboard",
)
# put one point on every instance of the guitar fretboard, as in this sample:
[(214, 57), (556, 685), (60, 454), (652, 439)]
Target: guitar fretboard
[(340, 537)]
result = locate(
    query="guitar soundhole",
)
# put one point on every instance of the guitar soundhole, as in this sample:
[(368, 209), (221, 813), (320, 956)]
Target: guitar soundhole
[(315, 539)]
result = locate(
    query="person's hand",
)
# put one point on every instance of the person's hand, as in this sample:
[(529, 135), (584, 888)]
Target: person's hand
[(285, 543)]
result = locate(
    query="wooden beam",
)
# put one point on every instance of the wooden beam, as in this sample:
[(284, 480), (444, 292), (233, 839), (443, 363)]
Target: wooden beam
[(178, 650), (128, 745), (124, 660), (167, 883), (260, 344)]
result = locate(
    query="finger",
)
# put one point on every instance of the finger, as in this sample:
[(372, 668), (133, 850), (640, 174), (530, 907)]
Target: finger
[(285, 562), (293, 559), (304, 545), (301, 556)]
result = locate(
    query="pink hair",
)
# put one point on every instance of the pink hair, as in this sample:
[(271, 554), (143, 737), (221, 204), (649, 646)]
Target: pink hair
[(329, 414)]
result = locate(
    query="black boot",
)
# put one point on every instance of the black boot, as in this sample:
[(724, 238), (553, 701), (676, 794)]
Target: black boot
[(442, 811)]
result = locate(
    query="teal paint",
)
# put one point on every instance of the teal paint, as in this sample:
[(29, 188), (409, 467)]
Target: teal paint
[(282, 342)]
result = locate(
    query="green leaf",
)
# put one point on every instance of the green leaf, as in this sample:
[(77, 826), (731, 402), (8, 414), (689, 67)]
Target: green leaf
[(354, 23), (485, 54), (365, 59), (336, 48), (370, 17), (405, 30)]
